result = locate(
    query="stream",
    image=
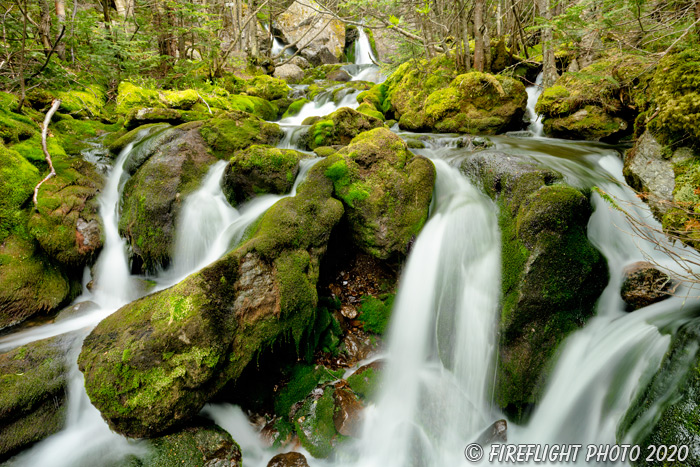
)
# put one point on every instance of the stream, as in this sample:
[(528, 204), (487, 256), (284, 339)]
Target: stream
[(441, 346)]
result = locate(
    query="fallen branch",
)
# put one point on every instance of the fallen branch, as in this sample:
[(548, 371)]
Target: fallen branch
[(205, 103), (44, 134)]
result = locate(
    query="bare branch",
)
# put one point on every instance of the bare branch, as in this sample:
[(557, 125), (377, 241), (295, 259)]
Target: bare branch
[(44, 133)]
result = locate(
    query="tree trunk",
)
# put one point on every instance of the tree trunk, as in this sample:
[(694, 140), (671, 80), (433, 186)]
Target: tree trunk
[(45, 26), (697, 17), (549, 64), (61, 16), (479, 54)]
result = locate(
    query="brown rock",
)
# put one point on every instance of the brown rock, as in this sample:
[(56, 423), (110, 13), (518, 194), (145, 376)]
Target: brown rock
[(348, 412), (289, 459), (644, 284)]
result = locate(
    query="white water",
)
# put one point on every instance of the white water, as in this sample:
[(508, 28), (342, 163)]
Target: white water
[(363, 49), (442, 337), (208, 217), (533, 93), (322, 106)]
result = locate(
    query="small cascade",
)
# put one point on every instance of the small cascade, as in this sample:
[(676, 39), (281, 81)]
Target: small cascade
[(533, 93), (323, 105), (363, 49)]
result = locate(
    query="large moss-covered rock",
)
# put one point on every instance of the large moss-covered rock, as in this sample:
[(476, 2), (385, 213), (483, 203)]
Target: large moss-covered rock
[(14, 127), (66, 222), (552, 275), (237, 130), (600, 101), (407, 89), (385, 189), (340, 127), (29, 283), (477, 103), (260, 169), (17, 180), (666, 412), (197, 445), (130, 97), (151, 200), (156, 361), (33, 380), (267, 87)]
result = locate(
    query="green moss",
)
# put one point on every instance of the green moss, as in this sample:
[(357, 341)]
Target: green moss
[(370, 110), (233, 131), (340, 127), (295, 107), (267, 87), (683, 219), (375, 313), (87, 103), (314, 425), (17, 180), (365, 381), (184, 100), (15, 128), (253, 105), (676, 96), (303, 379), (131, 97)]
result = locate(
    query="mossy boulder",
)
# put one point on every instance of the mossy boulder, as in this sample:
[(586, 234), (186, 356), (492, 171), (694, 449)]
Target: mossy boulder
[(267, 87), (407, 89), (340, 127), (295, 107), (150, 115), (552, 275), (155, 362), (131, 97), (477, 103), (198, 444), (29, 283), (666, 412), (86, 103), (153, 196), (260, 169), (14, 127), (683, 218), (386, 191), (183, 100), (33, 393), (600, 102), (314, 423), (236, 130), (66, 221)]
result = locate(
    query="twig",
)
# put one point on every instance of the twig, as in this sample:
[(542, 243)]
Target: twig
[(205, 103), (48, 57), (44, 133)]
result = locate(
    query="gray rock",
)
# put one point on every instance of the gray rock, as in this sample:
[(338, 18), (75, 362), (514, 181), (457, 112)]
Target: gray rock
[(312, 29), (339, 75), (301, 62), (646, 170), (289, 72)]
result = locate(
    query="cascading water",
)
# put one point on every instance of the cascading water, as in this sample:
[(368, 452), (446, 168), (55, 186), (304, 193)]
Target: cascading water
[(363, 49), (442, 337), (208, 229), (533, 93)]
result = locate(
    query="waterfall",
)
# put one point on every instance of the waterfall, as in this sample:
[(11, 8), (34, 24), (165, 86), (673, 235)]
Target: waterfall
[(436, 386), (363, 49), (533, 93)]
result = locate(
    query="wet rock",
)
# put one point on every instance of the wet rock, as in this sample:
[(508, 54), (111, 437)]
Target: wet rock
[(151, 200), (67, 223), (477, 103), (647, 170), (385, 189), (154, 363), (357, 346), (365, 381), (644, 285), (315, 31), (590, 105), (339, 75), (340, 127), (672, 397), (258, 170), (145, 116), (237, 130), (289, 459), (33, 393), (348, 311), (300, 61), (552, 274), (289, 72), (267, 87), (314, 423), (496, 433), (271, 436), (348, 412), (199, 444)]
